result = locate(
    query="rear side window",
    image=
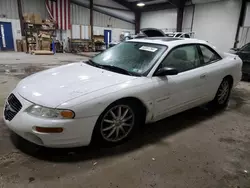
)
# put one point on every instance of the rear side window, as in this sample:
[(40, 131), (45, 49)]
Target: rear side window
[(209, 56)]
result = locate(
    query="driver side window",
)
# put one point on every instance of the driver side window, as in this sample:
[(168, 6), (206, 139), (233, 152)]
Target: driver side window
[(183, 58)]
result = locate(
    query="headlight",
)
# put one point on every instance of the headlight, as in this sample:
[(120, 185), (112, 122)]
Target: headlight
[(44, 112)]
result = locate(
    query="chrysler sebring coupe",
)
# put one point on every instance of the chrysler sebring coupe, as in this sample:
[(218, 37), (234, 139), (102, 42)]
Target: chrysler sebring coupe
[(107, 98)]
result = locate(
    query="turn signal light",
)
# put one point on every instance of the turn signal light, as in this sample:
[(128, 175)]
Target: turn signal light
[(49, 129), (67, 114)]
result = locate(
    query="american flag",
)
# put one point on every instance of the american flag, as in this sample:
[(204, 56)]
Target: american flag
[(59, 10)]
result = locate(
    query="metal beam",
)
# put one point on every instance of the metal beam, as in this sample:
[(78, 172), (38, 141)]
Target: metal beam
[(20, 13), (114, 8), (180, 11), (101, 11), (91, 19), (126, 4), (160, 6), (137, 22)]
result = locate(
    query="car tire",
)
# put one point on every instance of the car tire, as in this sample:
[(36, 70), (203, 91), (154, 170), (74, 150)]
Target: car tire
[(118, 123), (223, 93)]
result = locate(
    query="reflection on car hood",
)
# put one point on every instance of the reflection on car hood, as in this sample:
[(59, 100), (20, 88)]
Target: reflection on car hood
[(55, 86)]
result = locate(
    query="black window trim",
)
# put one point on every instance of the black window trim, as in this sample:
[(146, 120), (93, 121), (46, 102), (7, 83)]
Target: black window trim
[(193, 44), (202, 57)]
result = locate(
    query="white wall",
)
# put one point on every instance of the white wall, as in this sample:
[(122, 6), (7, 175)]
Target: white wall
[(16, 29), (159, 19), (217, 22)]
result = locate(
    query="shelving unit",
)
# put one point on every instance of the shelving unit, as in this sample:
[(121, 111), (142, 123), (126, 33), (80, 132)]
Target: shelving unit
[(34, 31)]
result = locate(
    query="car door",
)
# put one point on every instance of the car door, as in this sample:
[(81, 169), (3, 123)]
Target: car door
[(213, 75), (185, 90)]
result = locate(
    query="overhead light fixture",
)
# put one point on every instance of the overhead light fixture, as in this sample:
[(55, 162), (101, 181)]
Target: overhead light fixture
[(140, 4)]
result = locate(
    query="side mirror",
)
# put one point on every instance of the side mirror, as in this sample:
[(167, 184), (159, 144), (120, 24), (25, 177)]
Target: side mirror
[(235, 49), (166, 71)]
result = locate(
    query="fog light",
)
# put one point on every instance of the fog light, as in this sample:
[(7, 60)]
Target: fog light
[(49, 129)]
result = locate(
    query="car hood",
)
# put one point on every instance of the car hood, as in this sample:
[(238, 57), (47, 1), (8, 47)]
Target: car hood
[(55, 86), (152, 32)]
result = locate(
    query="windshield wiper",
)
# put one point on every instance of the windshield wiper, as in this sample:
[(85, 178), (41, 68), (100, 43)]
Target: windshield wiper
[(91, 62), (118, 69), (111, 68)]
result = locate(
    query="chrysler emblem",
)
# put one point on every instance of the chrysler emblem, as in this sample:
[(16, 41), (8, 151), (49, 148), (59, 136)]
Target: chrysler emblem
[(9, 108)]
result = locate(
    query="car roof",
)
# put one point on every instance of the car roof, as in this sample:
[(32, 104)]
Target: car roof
[(169, 41)]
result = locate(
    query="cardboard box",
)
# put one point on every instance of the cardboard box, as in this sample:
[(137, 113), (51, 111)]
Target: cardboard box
[(28, 17), (19, 45), (45, 45), (24, 45), (37, 18)]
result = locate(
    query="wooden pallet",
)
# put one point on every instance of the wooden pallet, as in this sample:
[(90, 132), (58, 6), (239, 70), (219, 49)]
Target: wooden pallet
[(42, 52)]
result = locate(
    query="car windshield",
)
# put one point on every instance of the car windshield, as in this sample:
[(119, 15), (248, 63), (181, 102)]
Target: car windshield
[(133, 58)]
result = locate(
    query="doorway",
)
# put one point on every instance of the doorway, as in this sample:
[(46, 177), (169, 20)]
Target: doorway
[(6, 37), (107, 37)]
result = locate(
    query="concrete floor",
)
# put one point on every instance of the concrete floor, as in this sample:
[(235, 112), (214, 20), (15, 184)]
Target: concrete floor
[(197, 148)]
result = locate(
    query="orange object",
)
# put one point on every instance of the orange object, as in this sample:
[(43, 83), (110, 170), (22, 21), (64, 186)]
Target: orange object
[(67, 114), (49, 129)]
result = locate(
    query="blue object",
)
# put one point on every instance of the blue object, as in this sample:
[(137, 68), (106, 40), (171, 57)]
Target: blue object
[(107, 37), (6, 36), (53, 47)]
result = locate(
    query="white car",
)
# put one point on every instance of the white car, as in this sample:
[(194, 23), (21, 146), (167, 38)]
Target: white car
[(106, 98)]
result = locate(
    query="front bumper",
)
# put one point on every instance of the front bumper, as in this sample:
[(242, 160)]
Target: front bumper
[(76, 132)]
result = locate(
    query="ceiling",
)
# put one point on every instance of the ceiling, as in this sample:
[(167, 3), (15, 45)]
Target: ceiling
[(147, 2), (150, 5)]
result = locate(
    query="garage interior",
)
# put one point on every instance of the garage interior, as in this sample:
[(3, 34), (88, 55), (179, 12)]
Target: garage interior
[(196, 148)]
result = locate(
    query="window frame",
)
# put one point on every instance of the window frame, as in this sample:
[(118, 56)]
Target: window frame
[(202, 56), (179, 46)]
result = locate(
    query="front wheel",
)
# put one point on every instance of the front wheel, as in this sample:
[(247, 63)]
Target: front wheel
[(117, 123)]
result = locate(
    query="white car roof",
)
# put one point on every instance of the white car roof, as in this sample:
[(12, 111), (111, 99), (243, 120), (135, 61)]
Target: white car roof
[(169, 41)]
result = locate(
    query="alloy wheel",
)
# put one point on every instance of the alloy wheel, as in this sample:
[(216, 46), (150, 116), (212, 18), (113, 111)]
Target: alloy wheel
[(117, 123), (223, 92)]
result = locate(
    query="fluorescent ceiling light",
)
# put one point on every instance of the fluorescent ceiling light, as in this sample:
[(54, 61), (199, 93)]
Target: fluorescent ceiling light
[(140, 4)]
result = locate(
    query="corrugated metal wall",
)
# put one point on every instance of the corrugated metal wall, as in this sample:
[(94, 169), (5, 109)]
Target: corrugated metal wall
[(160, 19), (103, 20), (79, 15), (9, 9), (35, 6)]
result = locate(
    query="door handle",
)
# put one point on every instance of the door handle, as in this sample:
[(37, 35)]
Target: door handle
[(202, 76)]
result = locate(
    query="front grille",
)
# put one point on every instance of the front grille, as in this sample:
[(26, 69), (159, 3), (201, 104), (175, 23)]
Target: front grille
[(12, 107)]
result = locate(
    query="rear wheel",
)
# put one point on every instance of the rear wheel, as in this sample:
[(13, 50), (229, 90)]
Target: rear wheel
[(118, 122), (223, 93)]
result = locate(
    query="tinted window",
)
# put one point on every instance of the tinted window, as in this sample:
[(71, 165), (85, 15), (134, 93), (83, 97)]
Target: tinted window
[(246, 48), (178, 35), (187, 36), (183, 58), (135, 57), (208, 55)]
